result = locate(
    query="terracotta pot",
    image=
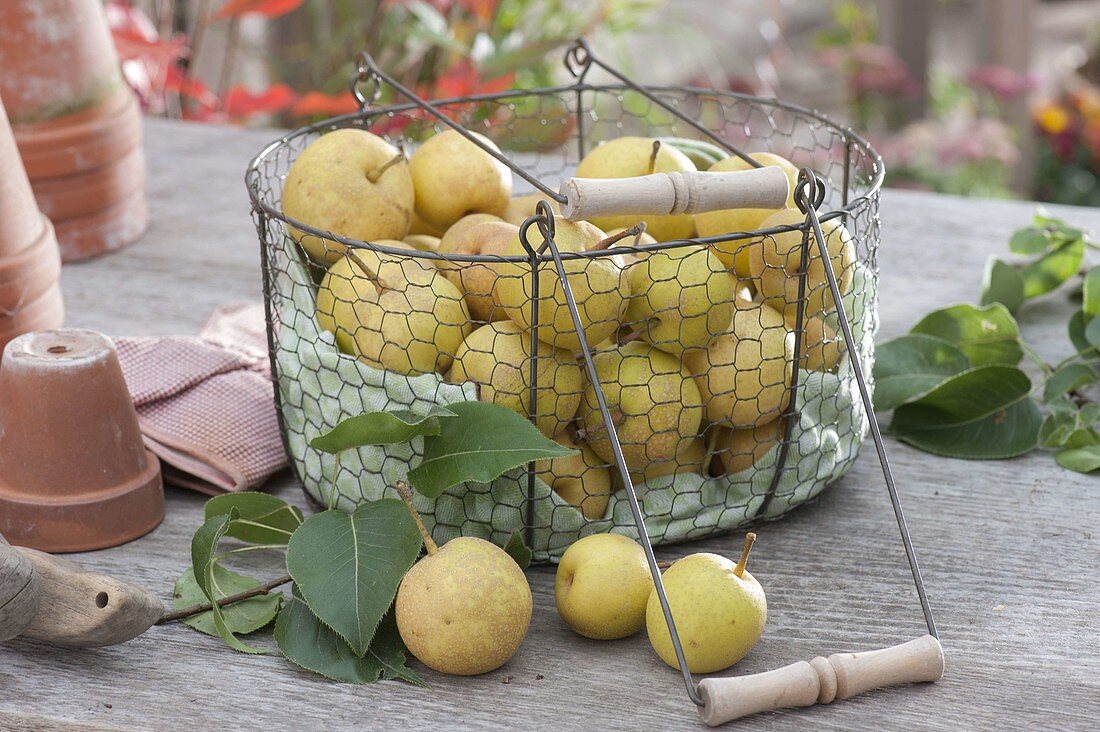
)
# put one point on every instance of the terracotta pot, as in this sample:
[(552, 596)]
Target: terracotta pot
[(44, 312), (57, 57), (21, 220), (90, 138), (74, 472), (26, 276), (92, 190), (104, 231)]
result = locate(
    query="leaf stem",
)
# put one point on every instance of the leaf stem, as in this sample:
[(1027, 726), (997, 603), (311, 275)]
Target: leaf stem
[(1036, 358), (203, 607), (405, 492)]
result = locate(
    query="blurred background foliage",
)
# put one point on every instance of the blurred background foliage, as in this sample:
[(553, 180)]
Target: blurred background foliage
[(963, 121)]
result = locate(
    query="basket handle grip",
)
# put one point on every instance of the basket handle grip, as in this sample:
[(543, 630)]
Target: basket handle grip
[(820, 681), (674, 193)]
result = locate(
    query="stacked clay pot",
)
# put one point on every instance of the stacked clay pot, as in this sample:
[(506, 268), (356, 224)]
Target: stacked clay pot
[(30, 295), (78, 126)]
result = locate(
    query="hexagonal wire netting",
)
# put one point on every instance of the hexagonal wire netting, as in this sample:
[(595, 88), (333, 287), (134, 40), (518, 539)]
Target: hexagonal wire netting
[(693, 341)]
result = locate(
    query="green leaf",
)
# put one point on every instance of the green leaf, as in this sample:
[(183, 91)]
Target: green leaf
[(309, 643), (983, 413), (1053, 268), (987, 335), (242, 617), (911, 366), (1002, 283), (380, 428), (1076, 328), (1066, 379), (1092, 332), (262, 518), (203, 547), (518, 550), (1031, 240), (1091, 304), (348, 566), (1080, 459), (486, 441)]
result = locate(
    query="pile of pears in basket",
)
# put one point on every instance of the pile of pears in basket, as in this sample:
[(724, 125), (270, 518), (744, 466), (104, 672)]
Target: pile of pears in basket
[(693, 345)]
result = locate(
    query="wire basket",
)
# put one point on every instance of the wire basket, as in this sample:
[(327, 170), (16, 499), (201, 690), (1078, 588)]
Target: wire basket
[(720, 425)]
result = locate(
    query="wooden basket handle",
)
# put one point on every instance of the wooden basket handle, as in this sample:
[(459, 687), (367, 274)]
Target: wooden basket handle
[(840, 676), (674, 193)]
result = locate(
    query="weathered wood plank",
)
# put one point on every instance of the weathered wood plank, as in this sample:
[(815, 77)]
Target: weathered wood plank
[(1009, 549)]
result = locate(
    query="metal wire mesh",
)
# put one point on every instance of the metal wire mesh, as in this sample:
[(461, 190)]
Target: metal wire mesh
[(697, 364)]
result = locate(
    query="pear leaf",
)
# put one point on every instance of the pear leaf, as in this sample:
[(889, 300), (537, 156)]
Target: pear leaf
[(984, 413), (1002, 283), (309, 643), (1053, 268), (518, 550), (261, 517), (908, 367), (987, 335), (1080, 459), (380, 428), (486, 441), (347, 567), (204, 544), (245, 616)]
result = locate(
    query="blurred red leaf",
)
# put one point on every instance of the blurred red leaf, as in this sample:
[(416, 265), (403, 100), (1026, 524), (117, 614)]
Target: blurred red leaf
[(191, 88), (483, 10), (268, 8), (463, 80), (241, 103), (318, 104), (145, 57)]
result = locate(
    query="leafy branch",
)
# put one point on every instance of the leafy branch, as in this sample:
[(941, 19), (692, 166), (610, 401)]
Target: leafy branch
[(954, 382), (345, 568)]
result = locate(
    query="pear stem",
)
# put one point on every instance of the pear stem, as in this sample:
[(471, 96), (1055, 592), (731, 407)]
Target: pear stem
[(632, 335), (617, 419), (635, 231), (653, 156), (375, 174), (405, 492), (379, 283), (739, 570)]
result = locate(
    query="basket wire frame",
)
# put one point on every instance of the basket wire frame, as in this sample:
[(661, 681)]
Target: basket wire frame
[(811, 193)]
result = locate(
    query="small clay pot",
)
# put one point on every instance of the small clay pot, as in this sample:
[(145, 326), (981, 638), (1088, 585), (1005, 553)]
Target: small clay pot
[(57, 57), (104, 231), (83, 140), (43, 313), (20, 219), (27, 275), (90, 191), (74, 472)]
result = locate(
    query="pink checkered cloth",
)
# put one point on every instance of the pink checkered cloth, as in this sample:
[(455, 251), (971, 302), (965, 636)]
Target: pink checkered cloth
[(205, 402)]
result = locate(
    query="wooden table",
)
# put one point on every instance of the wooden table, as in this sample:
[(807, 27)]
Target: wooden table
[(1010, 549)]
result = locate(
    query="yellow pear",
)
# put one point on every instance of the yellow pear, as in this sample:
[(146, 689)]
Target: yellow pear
[(821, 347), (718, 607), (735, 253), (497, 357), (582, 480), (689, 459), (602, 586), (392, 312), (653, 401), (744, 375), (680, 298), (454, 177), (418, 225), (465, 607), (353, 184), (740, 448), (599, 289), (776, 264), (628, 157), (480, 234), (422, 242), (521, 208)]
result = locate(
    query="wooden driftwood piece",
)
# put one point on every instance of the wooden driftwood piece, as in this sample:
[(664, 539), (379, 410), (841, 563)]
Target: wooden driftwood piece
[(20, 592), (81, 609)]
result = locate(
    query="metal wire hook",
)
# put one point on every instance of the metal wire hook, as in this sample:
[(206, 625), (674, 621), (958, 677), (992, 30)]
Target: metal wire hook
[(578, 59), (367, 77), (810, 189), (544, 220)]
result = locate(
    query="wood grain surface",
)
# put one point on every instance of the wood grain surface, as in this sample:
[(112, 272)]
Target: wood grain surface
[(1009, 549)]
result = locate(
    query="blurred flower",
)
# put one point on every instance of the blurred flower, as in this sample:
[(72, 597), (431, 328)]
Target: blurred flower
[(1052, 118), (871, 68), (1002, 82), (267, 8)]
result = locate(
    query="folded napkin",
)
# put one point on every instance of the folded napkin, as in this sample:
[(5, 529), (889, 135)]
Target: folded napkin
[(205, 403)]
